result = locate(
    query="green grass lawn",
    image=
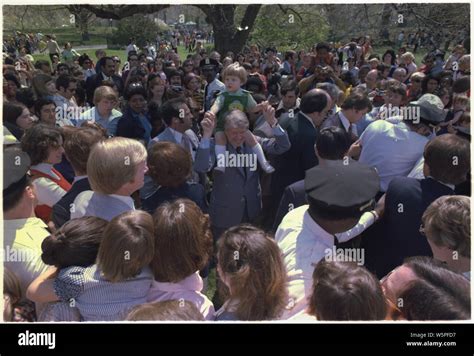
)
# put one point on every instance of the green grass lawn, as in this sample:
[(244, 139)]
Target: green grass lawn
[(182, 52), (98, 35), (91, 52)]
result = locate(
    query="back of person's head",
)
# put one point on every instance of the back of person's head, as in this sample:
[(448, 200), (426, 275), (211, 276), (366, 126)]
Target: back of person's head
[(169, 164), (40, 63), (331, 89), (168, 310), (76, 243), (251, 264), (436, 294), (11, 293), (127, 246), (357, 100), (183, 240), (447, 223), (113, 163), (314, 100), (333, 143), (38, 140), (171, 109), (346, 291), (78, 145), (448, 158)]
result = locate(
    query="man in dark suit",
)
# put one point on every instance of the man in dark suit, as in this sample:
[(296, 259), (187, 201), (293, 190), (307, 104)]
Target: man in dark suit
[(332, 145), (236, 192), (107, 73), (77, 148), (178, 119), (353, 109), (302, 130), (397, 235)]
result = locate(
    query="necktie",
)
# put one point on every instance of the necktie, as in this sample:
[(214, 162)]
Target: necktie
[(206, 100), (239, 151), (186, 142), (353, 132)]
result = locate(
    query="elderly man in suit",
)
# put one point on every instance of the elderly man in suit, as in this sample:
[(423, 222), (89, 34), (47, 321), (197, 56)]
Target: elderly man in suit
[(302, 129), (236, 193), (107, 73)]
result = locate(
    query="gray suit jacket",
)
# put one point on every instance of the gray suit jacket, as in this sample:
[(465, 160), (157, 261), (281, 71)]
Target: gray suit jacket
[(236, 193), (168, 136)]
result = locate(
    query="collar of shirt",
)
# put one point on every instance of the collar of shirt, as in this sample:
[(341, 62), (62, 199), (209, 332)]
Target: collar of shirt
[(297, 105), (98, 117), (106, 77), (446, 184), (238, 92), (190, 283), (317, 231), (178, 136), (310, 120), (345, 121), (78, 178), (17, 224), (126, 200), (45, 168)]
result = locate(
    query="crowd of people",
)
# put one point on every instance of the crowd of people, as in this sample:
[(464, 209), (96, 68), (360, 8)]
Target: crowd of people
[(329, 183)]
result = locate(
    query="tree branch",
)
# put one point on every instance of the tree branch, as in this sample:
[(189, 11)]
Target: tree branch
[(285, 11)]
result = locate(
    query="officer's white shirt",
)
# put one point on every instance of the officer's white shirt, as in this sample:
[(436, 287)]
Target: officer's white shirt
[(303, 244)]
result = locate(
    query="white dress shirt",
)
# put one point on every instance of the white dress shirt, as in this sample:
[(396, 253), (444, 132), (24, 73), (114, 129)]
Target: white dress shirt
[(303, 244), (47, 192), (393, 149)]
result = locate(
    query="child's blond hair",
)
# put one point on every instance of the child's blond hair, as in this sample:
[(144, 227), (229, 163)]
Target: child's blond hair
[(235, 69)]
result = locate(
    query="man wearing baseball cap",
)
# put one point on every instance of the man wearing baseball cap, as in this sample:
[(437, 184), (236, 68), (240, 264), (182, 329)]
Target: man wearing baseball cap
[(23, 231), (338, 195), (395, 145)]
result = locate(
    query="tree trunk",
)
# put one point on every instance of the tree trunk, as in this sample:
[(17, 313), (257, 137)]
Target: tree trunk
[(221, 17)]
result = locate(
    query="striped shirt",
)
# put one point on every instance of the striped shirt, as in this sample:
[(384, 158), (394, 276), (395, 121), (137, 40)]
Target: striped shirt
[(96, 298)]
